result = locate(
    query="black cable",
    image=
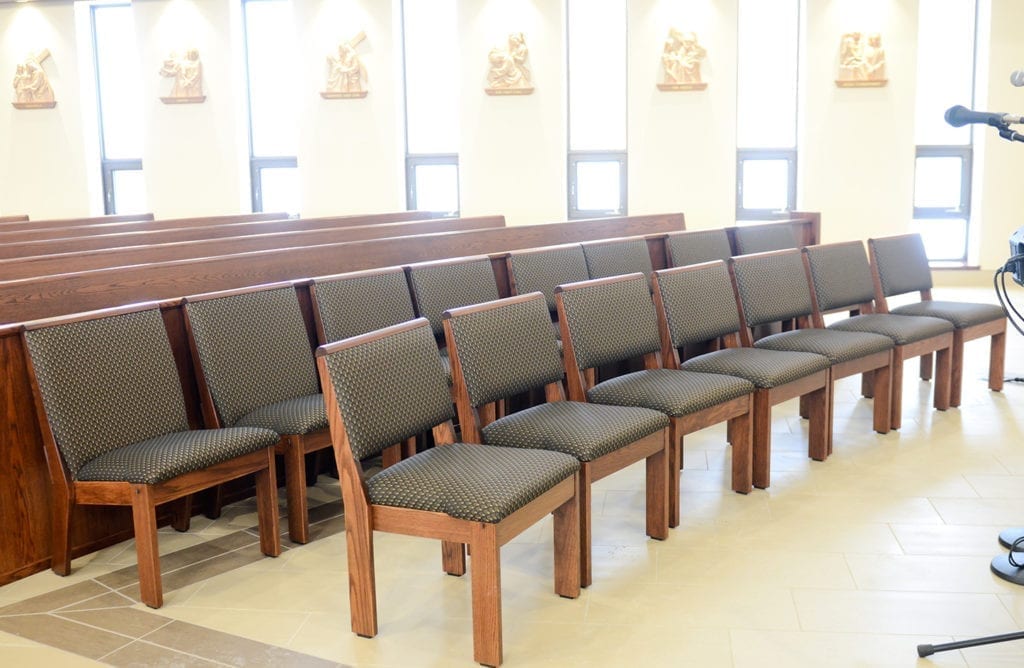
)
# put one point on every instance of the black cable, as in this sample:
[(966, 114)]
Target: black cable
[(1013, 315)]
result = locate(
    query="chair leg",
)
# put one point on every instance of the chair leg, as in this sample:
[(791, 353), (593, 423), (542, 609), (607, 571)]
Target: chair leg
[(60, 535), (266, 508), (820, 423), (567, 549), (657, 490), (148, 554), (362, 588), (944, 378), (830, 412), (675, 464), (867, 384), (486, 594), (182, 513), (742, 459), (926, 366), (762, 438), (883, 406), (313, 471), (896, 396), (583, 494), (453, 558), (996, 362), (956, 369), (295, 488)]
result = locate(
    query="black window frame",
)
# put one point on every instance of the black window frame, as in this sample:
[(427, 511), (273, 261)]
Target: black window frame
[(962, 211), (412, 161), (575, 158), (753, 154)]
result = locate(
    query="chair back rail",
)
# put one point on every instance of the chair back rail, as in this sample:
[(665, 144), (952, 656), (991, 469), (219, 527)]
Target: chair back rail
[(13, 219), (24, 223)]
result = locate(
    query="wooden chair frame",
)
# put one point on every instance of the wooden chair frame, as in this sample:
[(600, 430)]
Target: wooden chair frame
[(941, 345), (655, 449), (292, 448), (997, 348), (484, 540), (143, 499), (738, 412)]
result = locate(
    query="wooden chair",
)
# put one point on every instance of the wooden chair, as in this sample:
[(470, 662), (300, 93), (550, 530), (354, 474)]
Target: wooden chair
[(113, 421), (696, 303), (255, 367), (763, 238), (841, 281), (544, 269), (695, 247), (900, 266), (386, 386), (616, 257), (506, 347), (609, 320), (774, 286)]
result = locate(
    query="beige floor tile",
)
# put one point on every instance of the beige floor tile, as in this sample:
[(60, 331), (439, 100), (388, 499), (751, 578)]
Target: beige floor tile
[(781, 649), (954, 574), (948, 539)]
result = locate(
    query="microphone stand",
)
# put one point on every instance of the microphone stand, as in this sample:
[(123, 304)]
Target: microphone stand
[(1006, 133)]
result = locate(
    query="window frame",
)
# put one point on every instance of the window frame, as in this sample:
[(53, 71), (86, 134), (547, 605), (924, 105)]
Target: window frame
[(412, 161), (790, 155), (256, 167), (577, 157)]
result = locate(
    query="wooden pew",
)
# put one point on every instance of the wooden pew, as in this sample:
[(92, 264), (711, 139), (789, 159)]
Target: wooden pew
[(13, 219), (79, 231), (85, 225), (24, 482), (24, 224), (44, 265), (161, 236)]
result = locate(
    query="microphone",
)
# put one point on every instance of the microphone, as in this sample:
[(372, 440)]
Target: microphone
[(959, 115), (1017, 78)]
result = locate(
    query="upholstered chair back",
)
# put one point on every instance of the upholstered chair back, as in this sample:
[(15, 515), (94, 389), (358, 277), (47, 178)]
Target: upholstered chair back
[(610, 320), (760, 239), (840, 274), (106, 383), (439, 286), (543, 270), (772, 287), (615, 258), (253, 349), (699, 246), (902, 264), (352, 305), (699, 303), (507, 349), (389, 387)]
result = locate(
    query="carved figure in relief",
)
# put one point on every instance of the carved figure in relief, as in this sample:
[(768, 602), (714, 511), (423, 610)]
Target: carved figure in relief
[(874, 57), (345, 70), (681, 57), (31, 85), (187, 71), (508, 66), (860, 63)]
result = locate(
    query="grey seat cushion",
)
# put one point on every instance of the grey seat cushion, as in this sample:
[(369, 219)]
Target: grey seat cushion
[(585, 431), (902, 329), (838, 346), (479, 483), (446, 363), (763, 368), (300, 415), (675, 393), (961, 314), (159, 459)]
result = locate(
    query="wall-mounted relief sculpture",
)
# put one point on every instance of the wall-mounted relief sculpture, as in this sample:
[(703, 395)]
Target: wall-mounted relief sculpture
[(861, 64), (508, 73), (187, 71), (681, 58), (32, 88), (346, 75)]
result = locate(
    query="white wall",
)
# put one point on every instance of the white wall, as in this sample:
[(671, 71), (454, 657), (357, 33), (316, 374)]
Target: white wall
[(682, 145), (512, 158), (351, 151), (42, 151)]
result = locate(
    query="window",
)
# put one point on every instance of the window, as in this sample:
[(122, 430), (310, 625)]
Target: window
[(766, 156), (944, 159), (120, 108), (597, 108), (431, 105), (270, 49)]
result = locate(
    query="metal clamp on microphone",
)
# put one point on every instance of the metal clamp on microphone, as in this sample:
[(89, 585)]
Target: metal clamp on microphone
[(960, 115)]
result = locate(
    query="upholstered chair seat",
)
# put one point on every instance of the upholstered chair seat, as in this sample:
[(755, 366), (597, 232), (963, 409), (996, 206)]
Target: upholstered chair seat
[(469, 482), (960, 314), (763, 367), (838, 346), (301, 415), (670, 392), (903, 330)]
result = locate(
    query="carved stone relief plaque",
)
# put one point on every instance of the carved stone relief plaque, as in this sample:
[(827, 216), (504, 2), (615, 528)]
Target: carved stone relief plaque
[(32, 88), (861, 65), (187, 71), (346, 74), (680, 59), (507, 72)]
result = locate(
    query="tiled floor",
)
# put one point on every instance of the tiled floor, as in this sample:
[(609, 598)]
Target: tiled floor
[(849, 562)]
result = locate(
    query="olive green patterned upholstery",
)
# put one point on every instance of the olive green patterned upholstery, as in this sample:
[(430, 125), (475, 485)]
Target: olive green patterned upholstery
[(960, 314), (255, 356), (506, 350), (838, 346), (614, 258), (390, 389), (699, 304), (902, 329), (610, 322), (772, 287), (542, 271), (698, 246), (113, 401), (669, 391), (438, 287), (353, 305), (760, 239), (763, 368), (902, 264)]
